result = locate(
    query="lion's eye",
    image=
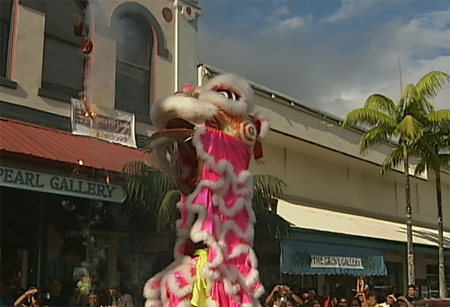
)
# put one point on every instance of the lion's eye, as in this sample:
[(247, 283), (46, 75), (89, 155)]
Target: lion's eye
[(229, 94)]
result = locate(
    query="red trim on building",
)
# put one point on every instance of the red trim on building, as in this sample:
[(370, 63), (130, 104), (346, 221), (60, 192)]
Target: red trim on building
[(61, 146)]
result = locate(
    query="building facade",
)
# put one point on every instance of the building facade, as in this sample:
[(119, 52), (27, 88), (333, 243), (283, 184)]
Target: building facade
[(142, 51)]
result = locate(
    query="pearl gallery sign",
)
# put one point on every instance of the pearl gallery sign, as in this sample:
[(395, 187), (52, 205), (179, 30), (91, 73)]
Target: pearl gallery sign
[(56, 184), (336, 262)]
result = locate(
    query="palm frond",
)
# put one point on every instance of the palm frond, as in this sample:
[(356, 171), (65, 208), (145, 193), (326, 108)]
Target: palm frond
[(393, 160), (266, 189), (374, 137), (145, 184), (409, 96), (368, 118), (439, 117), (429, 84), (409, 129), (421, 167), (381, 103), (270, 224), (168, 212)]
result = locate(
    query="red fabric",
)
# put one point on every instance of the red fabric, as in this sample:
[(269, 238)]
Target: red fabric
[(23, 138)]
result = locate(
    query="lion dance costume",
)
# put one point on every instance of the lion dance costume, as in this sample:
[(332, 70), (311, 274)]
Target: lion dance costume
[(206, 139)]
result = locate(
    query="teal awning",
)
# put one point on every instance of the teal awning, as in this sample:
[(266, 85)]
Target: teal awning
[(301, 257)]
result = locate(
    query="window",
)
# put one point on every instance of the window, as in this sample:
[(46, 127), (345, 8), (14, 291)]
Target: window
[(133, 63), (64, 61), (5, 30)]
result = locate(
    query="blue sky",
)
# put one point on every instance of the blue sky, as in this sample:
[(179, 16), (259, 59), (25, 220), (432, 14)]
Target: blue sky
[(330, 54)]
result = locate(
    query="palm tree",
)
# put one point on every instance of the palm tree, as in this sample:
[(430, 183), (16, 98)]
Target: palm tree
[(434, 151), (158, 193), (385, 121)]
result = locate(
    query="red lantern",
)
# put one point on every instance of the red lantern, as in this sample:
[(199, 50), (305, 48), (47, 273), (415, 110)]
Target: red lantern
[(79, 28), (87, 46)]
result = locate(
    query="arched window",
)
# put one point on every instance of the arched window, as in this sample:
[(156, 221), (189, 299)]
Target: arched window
[(5, 31), (133, 63), (64, 62)]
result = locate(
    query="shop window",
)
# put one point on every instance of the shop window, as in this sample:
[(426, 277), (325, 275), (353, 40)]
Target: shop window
[(63, 68), (5, 31), (133, 63)]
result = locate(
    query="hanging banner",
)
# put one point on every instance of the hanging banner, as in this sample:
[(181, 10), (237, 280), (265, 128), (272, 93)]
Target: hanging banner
[(103, 123)]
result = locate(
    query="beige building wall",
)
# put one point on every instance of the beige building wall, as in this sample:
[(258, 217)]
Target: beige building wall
[(26, 59)]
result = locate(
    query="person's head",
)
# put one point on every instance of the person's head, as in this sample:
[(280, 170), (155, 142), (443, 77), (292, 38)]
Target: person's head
[(305, 296), (412, 290), (311, 293), (115, 292), (372, 299), (284, 291), (317, 302), (361, 297), (343, 302), (287, 302), (94, 299), (390, 299), (276, 299), (355, 302), (334, 302), (55, 286), (403, 302)]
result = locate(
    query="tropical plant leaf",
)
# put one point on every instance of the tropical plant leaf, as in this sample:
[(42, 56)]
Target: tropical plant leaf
[(168, 212), (266, 189), (429, 84), (270, 224), (439, 117), (409, 96), (409, 129), (368, 118), (145, 184), (374, 137), (393, 160), (381, 103), (421, 167)]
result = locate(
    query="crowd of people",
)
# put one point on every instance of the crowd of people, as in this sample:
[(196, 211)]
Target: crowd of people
[(283, 296), (52, 295), (280, 296)]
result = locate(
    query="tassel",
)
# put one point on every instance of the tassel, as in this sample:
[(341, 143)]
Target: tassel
[(258, 152)]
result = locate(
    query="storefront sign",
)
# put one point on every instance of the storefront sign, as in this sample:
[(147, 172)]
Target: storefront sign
[(103, 123), (50, 183), (336, 262)]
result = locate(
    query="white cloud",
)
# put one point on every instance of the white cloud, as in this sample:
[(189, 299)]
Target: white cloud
[(335, 71), (350, 9)]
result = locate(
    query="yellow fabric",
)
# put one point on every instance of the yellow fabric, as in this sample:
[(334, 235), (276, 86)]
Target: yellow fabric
[(199, 291)]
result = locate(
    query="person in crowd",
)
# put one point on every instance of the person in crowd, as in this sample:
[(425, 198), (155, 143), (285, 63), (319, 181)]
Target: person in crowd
[(283, 292), (362, 299), (355, 302), (390, 301), (372, 300), (412, 294), (120, 298), (326, 297), (404, 302), (31, 298), (57, 299), (334, 302), (289, 302), (343, 302), (94, 299), (317, 302)]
